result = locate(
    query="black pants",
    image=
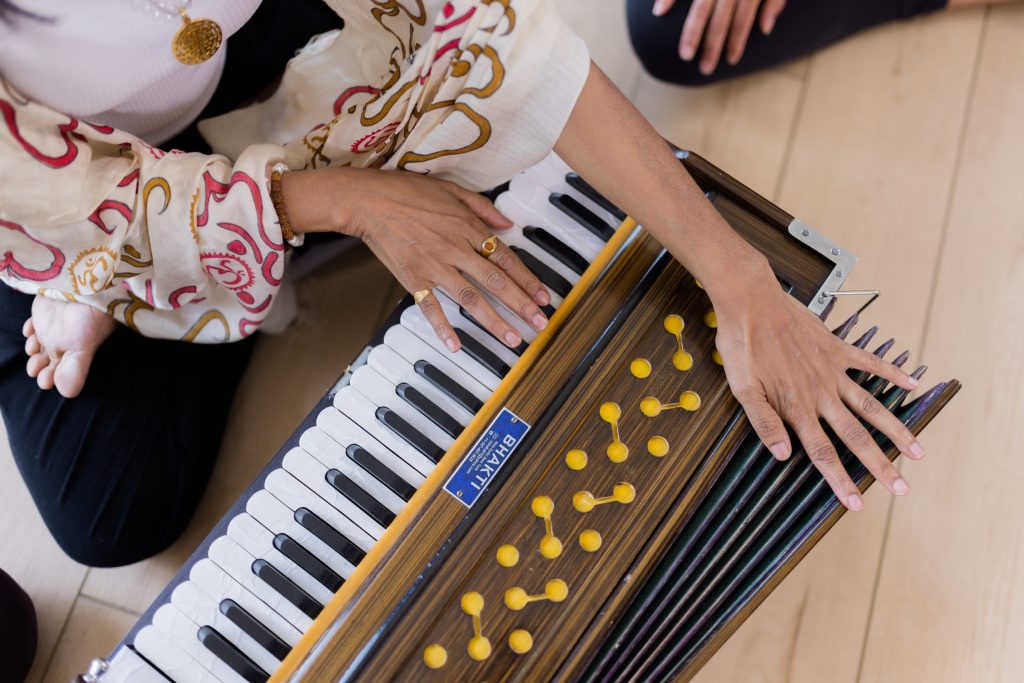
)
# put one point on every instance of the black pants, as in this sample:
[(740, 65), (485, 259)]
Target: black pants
[(803, 27), (118, 471)]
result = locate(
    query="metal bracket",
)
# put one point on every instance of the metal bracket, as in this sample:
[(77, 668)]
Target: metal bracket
[(844, 262)]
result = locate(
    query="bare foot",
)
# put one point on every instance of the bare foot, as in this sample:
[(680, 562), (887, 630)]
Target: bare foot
[(61, 340)]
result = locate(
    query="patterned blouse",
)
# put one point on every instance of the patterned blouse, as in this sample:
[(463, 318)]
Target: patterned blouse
[(187, 246)]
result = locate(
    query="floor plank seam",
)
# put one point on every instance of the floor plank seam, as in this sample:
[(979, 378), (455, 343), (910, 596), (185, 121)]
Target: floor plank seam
[(63, 627), (954, 181), (110, 605), (791, 135)]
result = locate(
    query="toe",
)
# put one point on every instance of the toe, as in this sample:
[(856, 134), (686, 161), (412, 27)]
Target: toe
[(69, 376), (32, 345), (28, 328), (36, 364), (45, 377)]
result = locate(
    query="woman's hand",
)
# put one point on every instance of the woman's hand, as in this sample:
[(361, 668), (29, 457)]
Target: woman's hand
[(428, 233), (783, 364), (717, 20)]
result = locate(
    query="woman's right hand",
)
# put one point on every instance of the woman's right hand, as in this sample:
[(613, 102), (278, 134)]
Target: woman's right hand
[(428, 233)]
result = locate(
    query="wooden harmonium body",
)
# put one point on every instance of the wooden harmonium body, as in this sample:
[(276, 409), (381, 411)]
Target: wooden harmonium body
[(608, 514)]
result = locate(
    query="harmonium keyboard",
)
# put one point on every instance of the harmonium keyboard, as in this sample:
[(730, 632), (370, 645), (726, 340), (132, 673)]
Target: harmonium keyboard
[(591, 506)]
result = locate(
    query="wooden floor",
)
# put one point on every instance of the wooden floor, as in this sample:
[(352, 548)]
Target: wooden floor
[(905, 145)]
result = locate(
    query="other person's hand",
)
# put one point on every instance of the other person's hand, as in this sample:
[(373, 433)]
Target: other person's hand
[(723, 24), (428, 233)]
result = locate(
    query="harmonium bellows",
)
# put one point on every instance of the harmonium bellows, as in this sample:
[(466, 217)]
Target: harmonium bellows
[(591, 506)]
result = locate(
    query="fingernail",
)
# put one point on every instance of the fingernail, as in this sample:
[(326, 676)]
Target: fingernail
[(780, 450), (686, 52), (917, 450), (769, 26), (450, 343), (900, 488), (855, 503), (706, 68), (512, 339), (539, 321), (542, 297), (659, 8), (912, 382)]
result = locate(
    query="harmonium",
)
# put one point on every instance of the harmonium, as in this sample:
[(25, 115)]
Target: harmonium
[(591, 506)]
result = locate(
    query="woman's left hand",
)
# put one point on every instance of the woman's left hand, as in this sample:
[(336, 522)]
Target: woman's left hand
[(724, 24)]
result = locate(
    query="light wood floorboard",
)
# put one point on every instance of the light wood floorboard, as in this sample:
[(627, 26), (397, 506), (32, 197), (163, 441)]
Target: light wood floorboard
[(91, 629)]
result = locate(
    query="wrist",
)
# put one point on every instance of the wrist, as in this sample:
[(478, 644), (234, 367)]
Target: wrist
[(742, 284), (313, 202)]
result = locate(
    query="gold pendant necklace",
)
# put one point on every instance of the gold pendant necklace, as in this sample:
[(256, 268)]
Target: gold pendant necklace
[(197, 40)]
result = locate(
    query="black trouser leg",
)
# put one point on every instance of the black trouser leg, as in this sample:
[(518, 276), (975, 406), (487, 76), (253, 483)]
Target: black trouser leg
[(17, 630), (804, 26), (118, 471)]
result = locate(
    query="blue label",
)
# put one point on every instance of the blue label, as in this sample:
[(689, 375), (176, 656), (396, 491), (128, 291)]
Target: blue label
[(492, 450)]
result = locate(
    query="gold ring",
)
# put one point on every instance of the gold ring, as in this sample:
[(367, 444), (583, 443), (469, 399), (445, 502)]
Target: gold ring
[(420, 295), (489, 246)]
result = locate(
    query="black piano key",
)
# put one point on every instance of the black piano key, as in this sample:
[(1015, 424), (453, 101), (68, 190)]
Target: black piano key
[(231, 655), (363, 500), (400, 487), (518, 350), (409, 434), (585, 189), (263, 636), (555, 282), (283, 585), (449, 387), (329, 535), (582, 215), (309, 562), (565, 254), (433, 412), (481, 354), (548, 311)]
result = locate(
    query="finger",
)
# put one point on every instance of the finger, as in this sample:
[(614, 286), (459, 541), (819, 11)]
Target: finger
[(507, 260), (432, 311), (45, 377), (770, 11), (693, 28), (662, 6), (36, 363), (859, 359), (860, 443), (496, 281), (32, 345), (470, 298), (482, 207), (823, 454), (766, 423), (867, 406), (28, 329), (714, 37), (742, 22)]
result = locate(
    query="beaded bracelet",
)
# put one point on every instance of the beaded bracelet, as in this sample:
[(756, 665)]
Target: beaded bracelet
[(277, 198)]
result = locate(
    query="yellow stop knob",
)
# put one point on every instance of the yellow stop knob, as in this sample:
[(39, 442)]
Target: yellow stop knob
[(508, 555), (515, 598), (556, 590), (624, 492), (657, 446), (650, 406), (682, 361), (673, 324), (435, 656), (711, 319), (610, 411), (689, 400), (590, 540), (640, 367), (542, 506), (576, 459), (520, 641), (472, 603), (717, 357), (479, 648), (617, 451), (583, 501), (550, 547)]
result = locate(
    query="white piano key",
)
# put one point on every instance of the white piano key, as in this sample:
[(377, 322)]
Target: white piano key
[(397, 370), (363, 412), (381, 392), (184, 633), (313, 474), (257, 539), (128, 667), (512, 318), (280, 519), (455, 317), (516, 238), (346, 432), (550, 175), (531, 207), (332, 454), (293, 493), (410, 347), (211, 579), (205, 611), (413, 320), (237, 562), (153, 644)]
